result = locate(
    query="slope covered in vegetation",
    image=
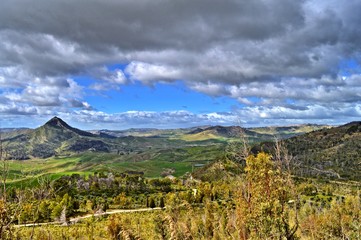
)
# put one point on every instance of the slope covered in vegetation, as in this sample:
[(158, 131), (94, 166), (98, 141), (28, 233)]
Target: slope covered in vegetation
[(334, 152)]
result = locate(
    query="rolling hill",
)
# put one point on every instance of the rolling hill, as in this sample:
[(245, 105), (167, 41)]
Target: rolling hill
[(253, 135), (146, 132), (327, 153), (283, 132), (334, 152)]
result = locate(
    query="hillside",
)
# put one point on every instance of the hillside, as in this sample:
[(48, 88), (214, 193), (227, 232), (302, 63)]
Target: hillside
[(328, 152), (53, 138), (146, 132), (254, 135), (222, 133), (283, 132), (334, 152)]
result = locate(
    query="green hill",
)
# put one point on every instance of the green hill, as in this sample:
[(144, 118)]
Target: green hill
[(283, 132), (220, 170), (327, 153), (254, 135), (53, 138), (334, 152), (224, 133)]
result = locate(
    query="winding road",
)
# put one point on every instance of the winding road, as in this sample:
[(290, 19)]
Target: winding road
[(76, 219)]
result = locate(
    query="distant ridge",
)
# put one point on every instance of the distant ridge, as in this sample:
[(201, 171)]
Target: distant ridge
[(232, 131)]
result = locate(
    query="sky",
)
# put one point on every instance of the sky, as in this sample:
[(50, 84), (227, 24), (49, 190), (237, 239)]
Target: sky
[(118, 64)]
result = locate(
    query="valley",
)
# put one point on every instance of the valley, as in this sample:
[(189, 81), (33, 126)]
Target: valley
[(110, 181), (56, 149)]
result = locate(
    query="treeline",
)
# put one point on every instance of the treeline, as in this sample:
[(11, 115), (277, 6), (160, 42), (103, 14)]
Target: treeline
[(69, 196), (213, 221)]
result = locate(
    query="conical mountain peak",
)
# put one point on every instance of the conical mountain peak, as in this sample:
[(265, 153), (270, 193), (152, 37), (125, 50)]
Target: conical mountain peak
[(59, 123), (56, 121)]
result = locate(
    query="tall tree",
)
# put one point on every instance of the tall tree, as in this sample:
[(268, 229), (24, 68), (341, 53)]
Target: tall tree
[(262, 207)]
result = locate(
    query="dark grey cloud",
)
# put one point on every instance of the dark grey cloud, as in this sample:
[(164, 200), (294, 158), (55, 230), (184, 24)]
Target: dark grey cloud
[(64, 34), (271, 51), (144, 24)]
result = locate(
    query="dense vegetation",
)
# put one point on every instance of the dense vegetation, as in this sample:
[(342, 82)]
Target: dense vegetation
[(332, 153), (256, 202)]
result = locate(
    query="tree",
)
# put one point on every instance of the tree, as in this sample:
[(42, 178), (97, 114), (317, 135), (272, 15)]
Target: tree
[(151, 202), (161, 202), (262, 208), (44, 211), (56, 212)]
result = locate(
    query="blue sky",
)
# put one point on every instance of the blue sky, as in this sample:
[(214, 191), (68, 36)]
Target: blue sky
[(168, 64), (156, 97), (160, 97)]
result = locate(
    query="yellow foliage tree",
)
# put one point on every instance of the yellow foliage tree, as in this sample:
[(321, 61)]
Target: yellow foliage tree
[(262, 208)]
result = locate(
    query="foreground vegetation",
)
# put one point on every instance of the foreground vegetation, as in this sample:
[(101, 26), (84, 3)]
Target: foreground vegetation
[(258, 201)]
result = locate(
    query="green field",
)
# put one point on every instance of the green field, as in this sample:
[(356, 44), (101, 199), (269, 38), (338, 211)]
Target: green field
[(28, 172)]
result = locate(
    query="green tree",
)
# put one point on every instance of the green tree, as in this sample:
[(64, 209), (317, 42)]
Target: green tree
[(44, 211), (151, 202), (161, 202), (56, 212)]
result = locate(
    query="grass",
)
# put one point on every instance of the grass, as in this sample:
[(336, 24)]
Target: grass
[(206, 135), (153, 168), (28, 173)]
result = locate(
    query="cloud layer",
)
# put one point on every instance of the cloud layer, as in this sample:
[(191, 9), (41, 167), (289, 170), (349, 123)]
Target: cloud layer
[(282, 60)]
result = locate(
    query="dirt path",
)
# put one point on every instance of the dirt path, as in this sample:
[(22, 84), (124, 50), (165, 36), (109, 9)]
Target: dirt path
[(76, 219)]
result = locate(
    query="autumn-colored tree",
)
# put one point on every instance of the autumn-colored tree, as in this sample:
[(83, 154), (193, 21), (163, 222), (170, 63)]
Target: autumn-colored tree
[(209, 220), (262, 207)]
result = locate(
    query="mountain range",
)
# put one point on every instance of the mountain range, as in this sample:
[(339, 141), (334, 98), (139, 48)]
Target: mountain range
[(316, 150), (56, 137)]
